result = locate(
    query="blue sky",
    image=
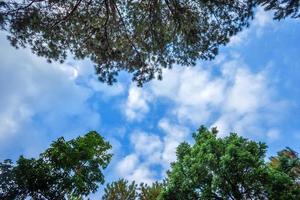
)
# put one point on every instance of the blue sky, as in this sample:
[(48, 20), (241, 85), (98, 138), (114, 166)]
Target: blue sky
[(252, 88)]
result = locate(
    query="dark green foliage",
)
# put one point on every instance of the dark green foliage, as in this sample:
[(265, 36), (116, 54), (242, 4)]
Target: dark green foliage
[(67, 168), (282, 8), (140, 37), (226, 168), (212, 168)]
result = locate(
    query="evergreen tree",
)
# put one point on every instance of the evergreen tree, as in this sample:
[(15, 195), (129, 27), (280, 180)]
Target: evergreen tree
[(140, 37)]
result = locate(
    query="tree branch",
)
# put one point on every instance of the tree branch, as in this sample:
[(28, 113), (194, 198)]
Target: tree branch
[(69, 14)]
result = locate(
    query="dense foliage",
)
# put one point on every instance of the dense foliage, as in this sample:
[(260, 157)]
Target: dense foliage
[(120, 190), (66, 169), (150, 192), (123, 190), (140, 37), (231, 168)]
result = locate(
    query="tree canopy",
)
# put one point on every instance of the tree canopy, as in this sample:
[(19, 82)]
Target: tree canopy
[(120, 190), (123, 190), (140, 37), (66, 169), (282, 8), (287, 160), (230, 168)]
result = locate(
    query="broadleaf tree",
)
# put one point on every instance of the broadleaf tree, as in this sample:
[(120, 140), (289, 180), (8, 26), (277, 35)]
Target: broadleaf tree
[(227, 168), (232, 167), (141, 37), (288, 161), (67, 170)]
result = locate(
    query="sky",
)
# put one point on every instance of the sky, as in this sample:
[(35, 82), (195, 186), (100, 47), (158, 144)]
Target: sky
[(251, 88)]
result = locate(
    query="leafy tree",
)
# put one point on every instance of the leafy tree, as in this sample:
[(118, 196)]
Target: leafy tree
[(140, 37), (66, 169), (287, 160), (285, 175), (8, 187), (281, 186), (120, 190), (226, 168), (150, 192), (123, 190)]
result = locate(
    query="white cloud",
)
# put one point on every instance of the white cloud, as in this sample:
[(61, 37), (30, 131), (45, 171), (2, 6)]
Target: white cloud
[(242, 96), (33, 86), (136, 105), (239, 38), (273, 134), (174, 135), (237, 100), (145, 144), (192, 90), (250, 103), (150, 150), (41, 101), (262, 20), (172, 130), (107, 90), (147, 150), (142, 174), (127, 164)]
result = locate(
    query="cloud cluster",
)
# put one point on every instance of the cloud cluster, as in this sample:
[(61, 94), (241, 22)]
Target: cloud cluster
[(137, 166), (151, 153), (42, 101), (137, 103), (235, 100)]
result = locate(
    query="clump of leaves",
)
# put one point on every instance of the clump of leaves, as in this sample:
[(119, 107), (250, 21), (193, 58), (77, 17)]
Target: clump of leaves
[(230, 168), (122, 189), (140, 37), (66, 169)]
